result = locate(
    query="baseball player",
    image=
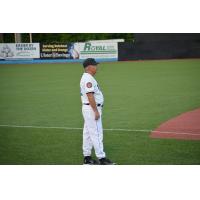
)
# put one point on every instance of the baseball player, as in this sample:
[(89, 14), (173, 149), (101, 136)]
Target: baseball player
[(92, 104)]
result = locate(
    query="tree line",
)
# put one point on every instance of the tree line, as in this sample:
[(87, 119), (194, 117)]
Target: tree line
[(64, 37)]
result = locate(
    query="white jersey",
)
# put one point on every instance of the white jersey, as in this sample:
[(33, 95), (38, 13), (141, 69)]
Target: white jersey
[(89, 84)]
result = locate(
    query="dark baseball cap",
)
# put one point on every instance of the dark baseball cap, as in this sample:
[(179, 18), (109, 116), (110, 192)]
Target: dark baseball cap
[(89, 61)]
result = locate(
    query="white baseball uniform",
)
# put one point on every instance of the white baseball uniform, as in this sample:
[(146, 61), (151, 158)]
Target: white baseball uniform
[(93, 130)]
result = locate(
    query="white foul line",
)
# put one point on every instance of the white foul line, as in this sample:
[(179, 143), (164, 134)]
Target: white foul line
[(40, 127), (68, 128), (176, 133), (108, 129)]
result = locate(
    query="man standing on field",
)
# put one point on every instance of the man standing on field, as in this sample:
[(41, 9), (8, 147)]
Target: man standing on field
[(92, 104)]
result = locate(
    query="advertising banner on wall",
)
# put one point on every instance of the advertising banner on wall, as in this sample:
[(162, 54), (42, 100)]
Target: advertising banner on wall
[(19, 51), (58, 51), (97, 50)]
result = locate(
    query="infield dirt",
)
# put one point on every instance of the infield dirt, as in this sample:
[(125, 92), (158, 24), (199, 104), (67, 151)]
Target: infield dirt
[(185, 126)]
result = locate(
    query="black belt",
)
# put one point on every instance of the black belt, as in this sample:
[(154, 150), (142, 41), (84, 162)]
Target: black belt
[(99, 105)]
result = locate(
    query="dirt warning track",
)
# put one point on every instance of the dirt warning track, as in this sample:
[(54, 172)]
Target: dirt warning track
[(185, 126)]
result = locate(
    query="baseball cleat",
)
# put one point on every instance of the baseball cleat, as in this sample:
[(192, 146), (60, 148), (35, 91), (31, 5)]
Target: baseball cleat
[(106, 161), (89, 161)]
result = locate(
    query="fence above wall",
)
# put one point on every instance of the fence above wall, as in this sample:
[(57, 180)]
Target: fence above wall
[(160, 46)]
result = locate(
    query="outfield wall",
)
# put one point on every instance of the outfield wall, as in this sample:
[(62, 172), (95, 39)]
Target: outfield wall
[(26, 53), (160, 46), (43, 61)]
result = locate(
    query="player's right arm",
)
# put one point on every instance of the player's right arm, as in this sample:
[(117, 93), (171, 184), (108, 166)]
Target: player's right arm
[(92, 102)]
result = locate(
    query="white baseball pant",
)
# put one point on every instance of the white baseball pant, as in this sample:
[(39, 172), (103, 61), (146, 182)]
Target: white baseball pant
[(92, 132)]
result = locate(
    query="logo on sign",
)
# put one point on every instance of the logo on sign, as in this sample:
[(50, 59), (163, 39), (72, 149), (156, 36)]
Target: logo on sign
[(6, 52)]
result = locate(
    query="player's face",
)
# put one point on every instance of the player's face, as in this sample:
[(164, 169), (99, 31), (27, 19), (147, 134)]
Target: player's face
[(94, 69)]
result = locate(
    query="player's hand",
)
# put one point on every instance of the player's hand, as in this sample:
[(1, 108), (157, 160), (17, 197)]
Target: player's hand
[(97, 115)]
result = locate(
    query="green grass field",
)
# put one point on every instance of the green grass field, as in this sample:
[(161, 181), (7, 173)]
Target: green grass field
[(138, 95)]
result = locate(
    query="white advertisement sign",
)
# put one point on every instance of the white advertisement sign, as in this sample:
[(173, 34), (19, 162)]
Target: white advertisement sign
[(19, 50), (97, 50)]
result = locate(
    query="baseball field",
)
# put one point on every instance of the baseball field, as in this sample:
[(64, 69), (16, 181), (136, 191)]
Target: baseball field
[(41, 121)]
